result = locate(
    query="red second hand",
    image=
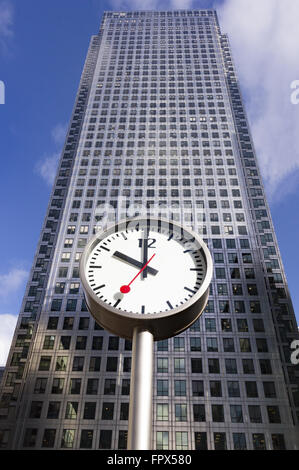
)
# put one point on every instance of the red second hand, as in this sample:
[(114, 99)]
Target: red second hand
[(126, 288)]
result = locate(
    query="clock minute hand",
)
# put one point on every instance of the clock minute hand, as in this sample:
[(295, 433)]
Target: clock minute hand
[(145, 253), (133, 262)]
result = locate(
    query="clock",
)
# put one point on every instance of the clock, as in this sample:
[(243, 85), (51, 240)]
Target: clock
[(149, 273)]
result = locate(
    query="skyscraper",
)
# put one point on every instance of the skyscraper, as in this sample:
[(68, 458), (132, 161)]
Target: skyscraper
[(158, 125)]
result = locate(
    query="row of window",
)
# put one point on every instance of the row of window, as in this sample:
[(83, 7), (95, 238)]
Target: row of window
[(219, 439), (163, 413), (179, 364), (196, 344), (71, 305), (163, 385)]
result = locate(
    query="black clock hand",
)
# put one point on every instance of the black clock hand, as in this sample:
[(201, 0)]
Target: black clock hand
[(145, 253), (133, 262)]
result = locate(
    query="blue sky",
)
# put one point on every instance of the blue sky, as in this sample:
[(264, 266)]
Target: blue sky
[(42, 51)]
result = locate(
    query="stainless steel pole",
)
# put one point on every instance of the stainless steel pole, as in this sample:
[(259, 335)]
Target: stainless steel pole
[(141, 391)]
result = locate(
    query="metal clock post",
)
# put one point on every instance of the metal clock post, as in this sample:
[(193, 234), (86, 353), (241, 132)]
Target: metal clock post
[(170, 270)]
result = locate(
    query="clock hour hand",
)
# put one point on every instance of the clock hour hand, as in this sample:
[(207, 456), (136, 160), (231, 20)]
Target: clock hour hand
[(133, 262)]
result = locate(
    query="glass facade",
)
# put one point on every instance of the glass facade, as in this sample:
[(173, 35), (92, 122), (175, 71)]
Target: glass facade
[(158, 126)]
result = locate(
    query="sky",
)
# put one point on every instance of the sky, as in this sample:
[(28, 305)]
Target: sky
[(42, 51)]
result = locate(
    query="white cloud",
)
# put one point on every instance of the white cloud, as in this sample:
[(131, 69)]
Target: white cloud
[(47, 166), (12, 281), (7, 327), (264, 40), (59, 133), (6, 24)]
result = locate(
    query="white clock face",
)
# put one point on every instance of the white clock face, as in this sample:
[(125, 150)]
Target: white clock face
[(146, 269)]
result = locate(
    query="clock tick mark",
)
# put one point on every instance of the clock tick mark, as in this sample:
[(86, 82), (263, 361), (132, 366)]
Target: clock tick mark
[(99, 287), (190, 290), (104, 248)]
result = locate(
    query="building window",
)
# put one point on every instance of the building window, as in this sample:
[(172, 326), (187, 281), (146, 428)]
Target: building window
[(199, 414), (113, 343), (269, 389), (213, 365), (179, 365), (30, 437), (162, 438), (71, 411), (201, 441), (251, 389), (107, 411), (36, 409), (49, 438), (196, 366), (75, 386), (259, 442), (218, 413), (68, 323), (89, 410), (57, 386), (122, 439), (162, 345), (48, 342), (278, 442), (220, 441), (111, 365), (245, 345), (239, 440), (273, 414), (61, 363), (95, 364), (81, 342), (179, 344), (86, 439), (124, 411), (180, 412), (162, 412), (109, 386), (236, 414), (195, 344), (181, 440), (180, 388), (68, 437), (215, 388), (212, 345), (92, 386), (40, 385), (162, 388), (97, 343), (255, 415), (248, 366), (125, 387), (45, 362), (53, 410), (162, 364), (105, 439)]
